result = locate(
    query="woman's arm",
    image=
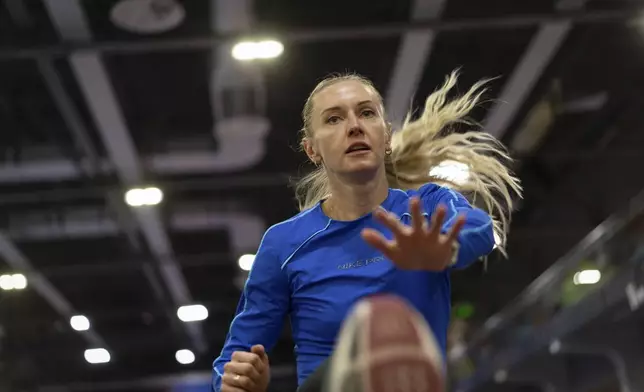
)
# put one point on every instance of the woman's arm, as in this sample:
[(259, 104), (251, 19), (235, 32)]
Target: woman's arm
[(261, 310), (476, 239)]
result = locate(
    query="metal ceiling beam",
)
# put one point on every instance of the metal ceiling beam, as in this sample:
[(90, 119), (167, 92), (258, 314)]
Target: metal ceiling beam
[(245, 230), (70, 22), (629, 15), (174, 163), (540, 52), (413, 54), (19, 262)]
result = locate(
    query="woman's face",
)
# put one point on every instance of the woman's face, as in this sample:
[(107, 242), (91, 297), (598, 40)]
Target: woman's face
[(349, 132)]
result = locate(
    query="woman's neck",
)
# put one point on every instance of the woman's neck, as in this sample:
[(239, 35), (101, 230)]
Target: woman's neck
[(350, 201)]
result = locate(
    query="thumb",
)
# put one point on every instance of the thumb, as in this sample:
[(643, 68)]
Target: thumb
[(261, 351)]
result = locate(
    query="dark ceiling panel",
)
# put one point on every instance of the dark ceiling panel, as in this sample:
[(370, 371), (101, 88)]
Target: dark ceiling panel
[(85, 251), (28, 112), (492, 8), (96, 294), (163, 96), (284, 14), (471, 53), (33, 29)]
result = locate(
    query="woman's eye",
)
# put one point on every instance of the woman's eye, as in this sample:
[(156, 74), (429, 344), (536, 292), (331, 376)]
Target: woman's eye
[(333, 120), (368, 113)]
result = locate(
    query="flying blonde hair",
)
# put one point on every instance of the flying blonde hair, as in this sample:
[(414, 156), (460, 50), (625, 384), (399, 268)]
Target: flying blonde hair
[(422, 144)]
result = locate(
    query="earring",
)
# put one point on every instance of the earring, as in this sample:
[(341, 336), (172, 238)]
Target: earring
[(388, 151)]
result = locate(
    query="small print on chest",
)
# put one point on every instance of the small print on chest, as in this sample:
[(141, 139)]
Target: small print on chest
[(361, 263)]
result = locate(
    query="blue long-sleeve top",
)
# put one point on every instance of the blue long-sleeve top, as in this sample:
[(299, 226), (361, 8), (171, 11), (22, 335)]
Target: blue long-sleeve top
[(313, 269)]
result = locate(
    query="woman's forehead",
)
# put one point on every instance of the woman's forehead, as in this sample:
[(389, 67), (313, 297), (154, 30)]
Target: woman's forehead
[(344, 94)]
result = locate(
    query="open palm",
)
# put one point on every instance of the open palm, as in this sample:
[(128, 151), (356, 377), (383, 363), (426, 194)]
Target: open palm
[(419, 246)]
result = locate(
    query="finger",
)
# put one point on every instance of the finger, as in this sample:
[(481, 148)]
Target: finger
[(239, 381), (417, 219), (456, 229), (391, 221), (258, 349), (437, 221), (261, 351), (378, 241), (242, 368), (229, 388), (246, 357)]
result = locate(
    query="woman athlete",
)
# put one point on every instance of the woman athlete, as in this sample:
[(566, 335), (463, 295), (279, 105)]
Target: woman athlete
[(373, 221)]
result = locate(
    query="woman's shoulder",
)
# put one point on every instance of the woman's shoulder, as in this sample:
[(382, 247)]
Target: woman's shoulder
[(302, 224)]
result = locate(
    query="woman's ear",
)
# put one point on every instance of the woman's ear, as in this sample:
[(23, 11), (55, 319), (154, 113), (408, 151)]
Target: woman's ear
[(311, 152), (390, 132)]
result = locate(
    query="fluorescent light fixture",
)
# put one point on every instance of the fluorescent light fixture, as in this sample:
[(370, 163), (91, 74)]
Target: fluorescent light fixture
[(79, 323), (185, 357), (97, 355), (190, 313), (591, 276), (139, 197), (13, 282), (249, 50), (456, 172), (246, 262), (147, 16)]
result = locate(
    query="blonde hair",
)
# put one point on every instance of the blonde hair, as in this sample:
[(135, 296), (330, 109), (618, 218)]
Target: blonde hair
[(424, 143)]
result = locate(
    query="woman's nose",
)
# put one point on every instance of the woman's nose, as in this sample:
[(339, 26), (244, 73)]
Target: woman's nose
[(354, 127)]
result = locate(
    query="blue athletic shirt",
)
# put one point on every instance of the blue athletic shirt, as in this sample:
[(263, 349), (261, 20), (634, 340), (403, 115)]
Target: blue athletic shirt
[(313, 269)]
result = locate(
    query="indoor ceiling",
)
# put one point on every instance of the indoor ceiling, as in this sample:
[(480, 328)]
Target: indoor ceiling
[(89, 110)]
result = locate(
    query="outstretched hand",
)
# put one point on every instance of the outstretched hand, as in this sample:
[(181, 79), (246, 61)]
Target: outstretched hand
[(419, 246)]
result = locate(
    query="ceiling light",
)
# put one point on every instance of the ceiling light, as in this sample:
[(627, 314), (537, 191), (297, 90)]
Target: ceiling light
[(190, 313), (249, 50), (13, 282), (97, 355), (246, 262), (139, 197), (587, 277), (79, 323), (456, 172), (501, 376), (555, 347), (19, 281), (185, 357), (147, 16)]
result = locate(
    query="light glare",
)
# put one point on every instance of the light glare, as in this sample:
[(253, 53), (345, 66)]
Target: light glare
[(248, 50), (190, 313), (13, 282), (97, 355), (79, 323), (185, 357), (497, 240), (456, 172), (246, 262), (587, 277), (139, 197)]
